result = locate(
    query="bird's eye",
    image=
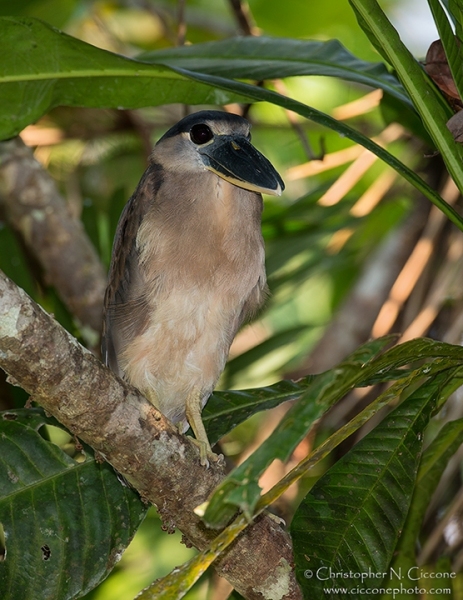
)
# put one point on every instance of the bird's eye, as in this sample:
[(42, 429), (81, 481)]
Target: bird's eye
[(201, 133)]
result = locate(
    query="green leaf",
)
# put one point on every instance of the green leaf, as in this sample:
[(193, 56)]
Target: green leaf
[(434, 460), (178, 582), (455, 8), (270, 58), (352, 518), (225, 410), (240, 489), (259, 94), (453, 51), (42, 67), (368, 365), (428, 102), (66, 523), (396, 391)]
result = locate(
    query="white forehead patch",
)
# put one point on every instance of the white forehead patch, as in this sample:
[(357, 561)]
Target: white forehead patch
[(225, 128)]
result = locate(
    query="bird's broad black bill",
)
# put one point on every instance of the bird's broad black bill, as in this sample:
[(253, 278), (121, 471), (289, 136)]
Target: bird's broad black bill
[(236, 160)]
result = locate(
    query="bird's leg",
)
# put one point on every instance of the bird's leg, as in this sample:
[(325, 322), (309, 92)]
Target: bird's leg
[(193, 415), (152, 397)]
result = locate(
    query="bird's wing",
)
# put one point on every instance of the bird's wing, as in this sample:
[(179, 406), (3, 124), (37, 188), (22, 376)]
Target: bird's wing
[(252, 305), (125, 306)]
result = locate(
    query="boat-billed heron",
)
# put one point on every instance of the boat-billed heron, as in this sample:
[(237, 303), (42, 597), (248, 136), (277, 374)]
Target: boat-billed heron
[(187, 265)]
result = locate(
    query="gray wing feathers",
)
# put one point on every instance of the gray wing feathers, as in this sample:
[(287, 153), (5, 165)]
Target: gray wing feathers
[(125, 307)]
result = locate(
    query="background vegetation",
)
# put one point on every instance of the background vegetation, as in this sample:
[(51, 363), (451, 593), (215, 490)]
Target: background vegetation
[(358, 248)]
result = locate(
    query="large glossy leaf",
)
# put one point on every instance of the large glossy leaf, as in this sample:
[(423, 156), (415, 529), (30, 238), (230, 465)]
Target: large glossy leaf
[(455, 7), (225, 410), (435, 459), (66, 523), (42, 67), (366, 366), (240, 489), (432, 108), (453, 50), (269, 58), (391, 393), (351, 520)]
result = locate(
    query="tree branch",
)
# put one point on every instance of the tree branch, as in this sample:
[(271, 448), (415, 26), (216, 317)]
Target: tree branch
[(75, 387), (34, 208), (243, 16)]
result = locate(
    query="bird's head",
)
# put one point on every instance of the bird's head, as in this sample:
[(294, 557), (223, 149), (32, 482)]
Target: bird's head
[(219, 142)]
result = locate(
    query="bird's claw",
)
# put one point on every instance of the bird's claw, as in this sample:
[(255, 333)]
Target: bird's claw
[(205, 453)]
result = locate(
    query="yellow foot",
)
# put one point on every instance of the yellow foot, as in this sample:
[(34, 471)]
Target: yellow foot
[(193, 415), (205, 452)]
